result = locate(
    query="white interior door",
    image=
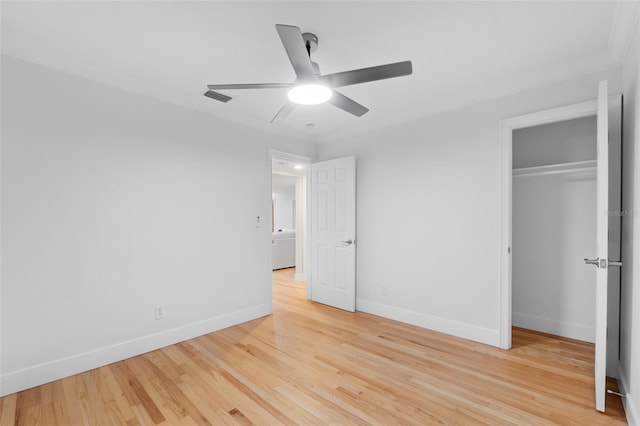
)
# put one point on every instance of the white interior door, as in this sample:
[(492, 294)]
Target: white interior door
[(333, 233), (615, 233), (602, 239), (608, 234)]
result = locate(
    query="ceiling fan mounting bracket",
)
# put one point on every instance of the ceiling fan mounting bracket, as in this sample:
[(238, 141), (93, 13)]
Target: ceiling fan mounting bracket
[(310, 40)]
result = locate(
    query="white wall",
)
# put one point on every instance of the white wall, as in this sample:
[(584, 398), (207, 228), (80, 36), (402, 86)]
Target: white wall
[(629, 374), (284, 195), (429, 211), (301, 228), (555, 143), (283, 218), (113, 203)]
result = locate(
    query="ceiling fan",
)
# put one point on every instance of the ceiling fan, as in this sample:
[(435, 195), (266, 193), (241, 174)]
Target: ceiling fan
[(311, 87)]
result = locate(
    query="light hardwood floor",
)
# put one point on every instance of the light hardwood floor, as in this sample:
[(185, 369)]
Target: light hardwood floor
[(312, 364)]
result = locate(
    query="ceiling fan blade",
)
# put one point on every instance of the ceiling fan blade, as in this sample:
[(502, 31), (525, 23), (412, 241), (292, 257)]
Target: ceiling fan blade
[(294, 45), (347, 104), (217, 96), (284, 112), (249, 86), (365, 75)]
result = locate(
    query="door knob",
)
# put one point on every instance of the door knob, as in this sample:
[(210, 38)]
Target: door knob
[(348, 242)]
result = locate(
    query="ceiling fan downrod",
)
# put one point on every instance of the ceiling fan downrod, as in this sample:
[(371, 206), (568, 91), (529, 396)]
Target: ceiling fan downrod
[(310, 42)]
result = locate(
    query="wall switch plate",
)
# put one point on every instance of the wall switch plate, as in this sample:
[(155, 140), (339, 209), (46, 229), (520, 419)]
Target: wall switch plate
[(259, 222), (385, 291), (159, 312)]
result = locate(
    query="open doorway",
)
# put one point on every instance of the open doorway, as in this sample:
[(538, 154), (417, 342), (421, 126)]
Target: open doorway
[(289, 210), (283, 219)]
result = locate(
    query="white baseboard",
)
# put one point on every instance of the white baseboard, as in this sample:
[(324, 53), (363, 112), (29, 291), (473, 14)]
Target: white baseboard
[(36, 375), (559, 328), (442, 325), (629, 403)]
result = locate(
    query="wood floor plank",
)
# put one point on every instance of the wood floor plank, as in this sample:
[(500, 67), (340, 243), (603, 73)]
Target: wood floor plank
[(171, 410), (234, 384), (216, 387), (71, 401), (185, 407), (124, 411), (8, 409), (312, 364), (141, 394)]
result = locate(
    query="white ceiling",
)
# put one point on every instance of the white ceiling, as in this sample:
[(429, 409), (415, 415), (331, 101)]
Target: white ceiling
[(287, 168), (462, 52)]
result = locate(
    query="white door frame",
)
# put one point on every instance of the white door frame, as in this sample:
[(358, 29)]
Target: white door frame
[(306, 161), (507, 126)]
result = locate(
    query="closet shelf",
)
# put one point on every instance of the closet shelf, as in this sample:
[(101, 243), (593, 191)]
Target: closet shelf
[(554, 169)]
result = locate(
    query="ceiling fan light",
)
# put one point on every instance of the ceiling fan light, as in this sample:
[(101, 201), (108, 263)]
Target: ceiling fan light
[(310, 94)]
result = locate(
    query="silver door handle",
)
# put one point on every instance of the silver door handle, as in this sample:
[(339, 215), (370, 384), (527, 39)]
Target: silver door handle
[(602, 263), (348, 242), (595, 262)]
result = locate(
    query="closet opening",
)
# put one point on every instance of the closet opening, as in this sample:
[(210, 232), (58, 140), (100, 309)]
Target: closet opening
[(553, 227)]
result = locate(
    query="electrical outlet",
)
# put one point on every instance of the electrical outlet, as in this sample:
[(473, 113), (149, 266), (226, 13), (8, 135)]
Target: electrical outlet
[(385, 291), (159, 312)]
